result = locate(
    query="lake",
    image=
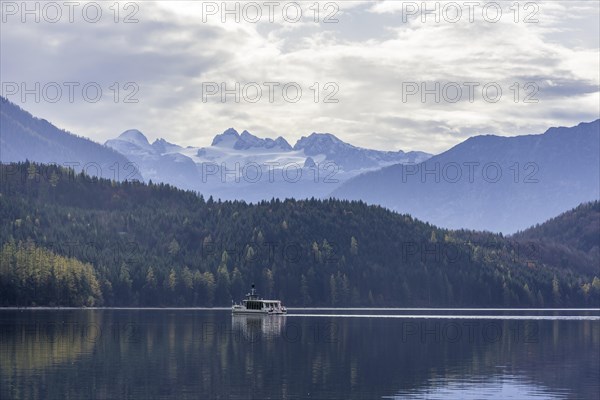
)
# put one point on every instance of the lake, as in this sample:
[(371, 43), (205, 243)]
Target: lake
[(319, 354)]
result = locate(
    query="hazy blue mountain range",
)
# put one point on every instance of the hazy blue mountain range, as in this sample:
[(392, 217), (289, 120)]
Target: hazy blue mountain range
[(488, 182), (24, 137), (235, 166)]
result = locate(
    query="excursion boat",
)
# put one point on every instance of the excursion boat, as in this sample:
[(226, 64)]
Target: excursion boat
[(252, 304)]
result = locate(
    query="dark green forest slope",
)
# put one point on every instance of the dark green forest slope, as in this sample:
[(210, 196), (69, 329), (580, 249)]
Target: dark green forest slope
[(153, 245), (578, 228)]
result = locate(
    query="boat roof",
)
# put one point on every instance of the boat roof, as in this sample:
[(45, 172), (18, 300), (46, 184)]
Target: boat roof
[(271, 301)]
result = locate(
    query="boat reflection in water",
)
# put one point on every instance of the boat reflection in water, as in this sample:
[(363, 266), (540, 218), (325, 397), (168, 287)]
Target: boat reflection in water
[(256, 327)]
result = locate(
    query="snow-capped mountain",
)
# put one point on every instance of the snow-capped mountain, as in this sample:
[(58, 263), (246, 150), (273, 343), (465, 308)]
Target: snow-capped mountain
[(246, 140), (230, 146), (160, 160), (134, 141), (247, 167), (131, 142), (162, 146), (350, 157)]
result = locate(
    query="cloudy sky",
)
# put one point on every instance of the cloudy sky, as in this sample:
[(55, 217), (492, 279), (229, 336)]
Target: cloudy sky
[(373, 59)]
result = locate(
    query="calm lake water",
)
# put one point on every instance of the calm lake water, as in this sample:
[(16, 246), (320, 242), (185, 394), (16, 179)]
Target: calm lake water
[(320, 354)]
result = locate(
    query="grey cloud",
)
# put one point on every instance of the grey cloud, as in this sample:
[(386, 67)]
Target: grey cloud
[(368, 55)]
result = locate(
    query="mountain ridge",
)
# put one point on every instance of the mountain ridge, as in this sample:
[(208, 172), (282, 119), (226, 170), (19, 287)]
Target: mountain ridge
[(489, 181), (26, 137)]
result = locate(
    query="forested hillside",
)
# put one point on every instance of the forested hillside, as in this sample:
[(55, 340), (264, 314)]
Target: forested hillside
[(578, 228), (154, 245), (31, 275)]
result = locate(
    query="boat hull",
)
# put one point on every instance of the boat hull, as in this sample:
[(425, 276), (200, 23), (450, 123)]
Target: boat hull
[(257, 312)]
